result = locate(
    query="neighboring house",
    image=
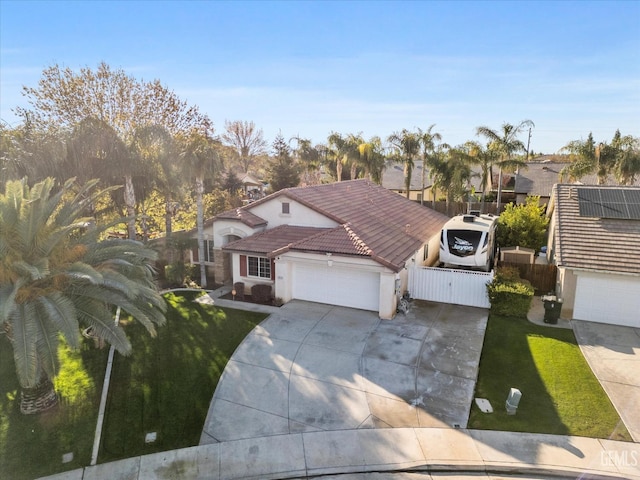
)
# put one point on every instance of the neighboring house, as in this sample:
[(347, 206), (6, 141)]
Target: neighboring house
[(539, 177), (422, 188), (594, 240), (345, 243), (393, 179), (252, 188)]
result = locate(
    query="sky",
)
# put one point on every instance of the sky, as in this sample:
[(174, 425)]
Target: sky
[(311, 68)]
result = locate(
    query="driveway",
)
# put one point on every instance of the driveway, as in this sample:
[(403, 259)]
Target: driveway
[(314, 367), (613, 353)]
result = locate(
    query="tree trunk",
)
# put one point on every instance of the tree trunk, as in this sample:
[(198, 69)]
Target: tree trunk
[(168, 211), (130, 202), (200, 222), (499, 192), (339, 170), (38, 399)]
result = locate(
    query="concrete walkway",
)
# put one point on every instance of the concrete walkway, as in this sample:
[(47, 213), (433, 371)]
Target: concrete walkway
[(613, 353), (314, 367), (396, 453)]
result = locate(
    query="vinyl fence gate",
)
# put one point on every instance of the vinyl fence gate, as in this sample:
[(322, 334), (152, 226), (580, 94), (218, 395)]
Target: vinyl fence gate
[(446, 285)]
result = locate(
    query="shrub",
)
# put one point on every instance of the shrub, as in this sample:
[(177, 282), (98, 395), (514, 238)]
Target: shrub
[(261, 293), (509, 294)]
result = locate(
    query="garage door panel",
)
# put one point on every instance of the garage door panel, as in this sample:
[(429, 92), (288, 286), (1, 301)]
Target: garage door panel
[(608, 299), (337, 286)]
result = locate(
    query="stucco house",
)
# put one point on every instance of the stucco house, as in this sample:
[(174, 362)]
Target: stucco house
[(594, 240), (345, 243)]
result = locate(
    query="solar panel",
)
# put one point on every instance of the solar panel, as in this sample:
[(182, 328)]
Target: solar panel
[(622, 203)]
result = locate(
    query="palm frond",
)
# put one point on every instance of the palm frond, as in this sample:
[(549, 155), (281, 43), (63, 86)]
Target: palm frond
[(97, 315), (25, 333), (60, 311), (47, 346)]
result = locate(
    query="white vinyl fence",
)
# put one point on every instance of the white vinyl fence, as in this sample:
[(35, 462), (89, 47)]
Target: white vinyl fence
[(461, 287)]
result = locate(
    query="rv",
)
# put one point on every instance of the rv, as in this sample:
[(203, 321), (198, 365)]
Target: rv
[(469, 241)]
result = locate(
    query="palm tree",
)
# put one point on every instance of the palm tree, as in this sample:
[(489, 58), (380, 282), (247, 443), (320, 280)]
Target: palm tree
[(484, 158), (407, 146), (428, 143), (372, 159), (338, 150), (154, 146), (451, 172), (57, 276), (200, 156), (505, 143)]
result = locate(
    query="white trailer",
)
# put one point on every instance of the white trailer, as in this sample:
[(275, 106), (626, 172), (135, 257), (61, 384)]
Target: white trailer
[(469, 241)]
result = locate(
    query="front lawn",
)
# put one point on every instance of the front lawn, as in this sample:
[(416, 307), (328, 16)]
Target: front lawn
[(164, 386), (560, 394)]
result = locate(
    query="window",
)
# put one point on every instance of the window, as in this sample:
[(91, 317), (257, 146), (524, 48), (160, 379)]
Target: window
[(259, 267), (425, 256), (286, 208)]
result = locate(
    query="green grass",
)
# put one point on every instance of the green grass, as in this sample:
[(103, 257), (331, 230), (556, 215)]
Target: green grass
[(560, 394), (167, 384), (32, 445), (164, 386)]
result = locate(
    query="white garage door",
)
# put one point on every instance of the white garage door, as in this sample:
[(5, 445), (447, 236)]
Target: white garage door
[(337, 286), (613, 299)]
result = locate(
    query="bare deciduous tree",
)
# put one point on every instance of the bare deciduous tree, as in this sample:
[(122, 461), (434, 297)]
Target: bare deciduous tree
[(246, 139)]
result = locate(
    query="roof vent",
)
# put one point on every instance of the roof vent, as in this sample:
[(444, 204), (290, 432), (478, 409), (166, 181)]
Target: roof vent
[(468, 218), (475, 213)]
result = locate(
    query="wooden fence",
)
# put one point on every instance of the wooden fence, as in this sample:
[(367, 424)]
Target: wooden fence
[(542, 277)]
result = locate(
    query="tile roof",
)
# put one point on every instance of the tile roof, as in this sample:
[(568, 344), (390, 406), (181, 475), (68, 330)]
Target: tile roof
[(272, 240), (243, 215), (603, 244), (374, 221), (538, 178)]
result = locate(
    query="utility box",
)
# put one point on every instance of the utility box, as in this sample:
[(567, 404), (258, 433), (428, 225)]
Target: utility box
[(513, 400), (552, 308)]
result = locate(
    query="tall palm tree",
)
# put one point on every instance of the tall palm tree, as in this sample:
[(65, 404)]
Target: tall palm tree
[(451, 172), (155, 148), (484, 158), (338, 150), (428, 141), (200, 157), (407, 147), (372, 159), (57, 276), (506, 143)]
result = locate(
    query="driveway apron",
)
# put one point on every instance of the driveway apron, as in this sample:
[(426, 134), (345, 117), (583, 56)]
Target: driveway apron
[(314, 367)]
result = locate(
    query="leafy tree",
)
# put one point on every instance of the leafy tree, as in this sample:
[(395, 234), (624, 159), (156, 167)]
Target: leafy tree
[(64, 99), (523, 225), (309, 158), (282, 172), (407, 147), (57, 276), (506, 144), (246, 140)]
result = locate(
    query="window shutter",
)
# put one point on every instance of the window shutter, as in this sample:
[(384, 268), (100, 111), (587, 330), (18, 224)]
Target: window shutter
[(243, 265), (273, 269)]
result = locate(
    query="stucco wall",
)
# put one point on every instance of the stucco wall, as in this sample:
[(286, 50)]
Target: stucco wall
[(300, 215), (566, 290)]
